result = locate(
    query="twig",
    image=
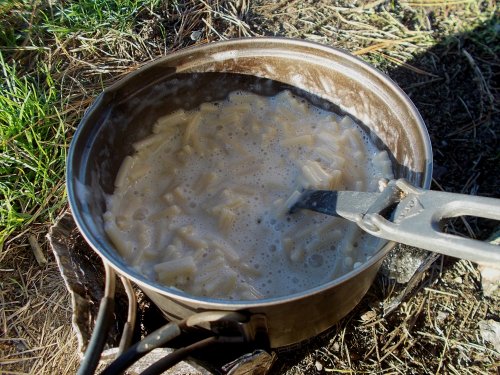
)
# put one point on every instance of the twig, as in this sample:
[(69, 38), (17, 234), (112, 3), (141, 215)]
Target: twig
[(483, 86), (444, 351), (213, 30), (406, 65), (440, 292), (382, 45), (458, 343), (37, 250), (376, 345)]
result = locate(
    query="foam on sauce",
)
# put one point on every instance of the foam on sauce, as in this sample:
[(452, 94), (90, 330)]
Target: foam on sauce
[(202, 205)]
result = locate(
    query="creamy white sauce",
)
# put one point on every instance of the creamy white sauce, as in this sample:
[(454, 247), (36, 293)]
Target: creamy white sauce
[(202, 205)]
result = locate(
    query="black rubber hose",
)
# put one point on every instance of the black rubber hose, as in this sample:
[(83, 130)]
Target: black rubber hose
[(163, 335), (154, 340), (99, 336), (175, 357)]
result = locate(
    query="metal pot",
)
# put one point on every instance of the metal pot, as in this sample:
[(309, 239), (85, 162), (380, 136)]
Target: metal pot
[(328, 77)]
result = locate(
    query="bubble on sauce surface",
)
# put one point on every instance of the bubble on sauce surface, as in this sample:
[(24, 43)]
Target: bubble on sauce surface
[(316, 260)]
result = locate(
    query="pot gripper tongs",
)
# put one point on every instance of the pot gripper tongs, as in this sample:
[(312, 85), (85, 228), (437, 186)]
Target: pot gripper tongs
[(410, 215)]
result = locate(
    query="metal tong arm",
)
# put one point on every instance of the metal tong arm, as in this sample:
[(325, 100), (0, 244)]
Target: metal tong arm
[(416, 221)]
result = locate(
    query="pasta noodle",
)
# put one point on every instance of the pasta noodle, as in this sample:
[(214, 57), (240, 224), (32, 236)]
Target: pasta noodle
[(151, 142), (228, 252), (186, 234), (178, 267), (123, 246), (306, 139), (170, 121), (169, 212), (226, 219), (205, 181), (138, 171), (191, 128), (202, 204), (122, 176)]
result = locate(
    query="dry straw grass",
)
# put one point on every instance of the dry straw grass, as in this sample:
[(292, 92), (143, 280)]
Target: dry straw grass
[(35, 316), (435, 328)]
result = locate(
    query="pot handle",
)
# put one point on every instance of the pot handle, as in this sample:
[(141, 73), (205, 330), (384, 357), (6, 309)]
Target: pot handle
[(416, 222)]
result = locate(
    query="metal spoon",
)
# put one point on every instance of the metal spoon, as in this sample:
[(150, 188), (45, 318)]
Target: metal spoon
[(410, 215)]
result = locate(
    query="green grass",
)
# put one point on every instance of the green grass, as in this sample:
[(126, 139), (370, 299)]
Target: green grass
[(90, 15), (33, 148), (35, 127)]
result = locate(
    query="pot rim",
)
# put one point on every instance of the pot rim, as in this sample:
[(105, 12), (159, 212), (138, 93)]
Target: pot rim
[(258, 43)]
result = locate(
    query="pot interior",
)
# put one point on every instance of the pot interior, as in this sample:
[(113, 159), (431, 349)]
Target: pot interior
[(328, 78)]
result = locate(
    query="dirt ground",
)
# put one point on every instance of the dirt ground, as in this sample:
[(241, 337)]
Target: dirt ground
[(445, 56)]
